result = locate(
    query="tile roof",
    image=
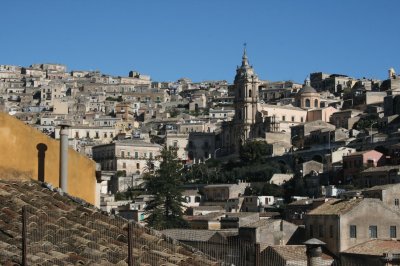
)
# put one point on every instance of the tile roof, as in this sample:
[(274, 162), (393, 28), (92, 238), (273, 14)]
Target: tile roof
[(381, 187), (198, 235), (376, 247), (296, 253), (336, 207), (260, 223), (382, 168), (62, 230)]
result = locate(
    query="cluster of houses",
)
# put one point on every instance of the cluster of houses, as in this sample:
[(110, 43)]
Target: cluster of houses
[(338, 134)]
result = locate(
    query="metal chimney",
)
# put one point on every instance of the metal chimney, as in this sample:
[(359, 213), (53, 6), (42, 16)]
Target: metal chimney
[(64, 157), (314, 251)]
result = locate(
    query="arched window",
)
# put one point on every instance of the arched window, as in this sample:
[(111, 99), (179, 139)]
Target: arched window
[(249, 93), (308, 104), (315, 103)]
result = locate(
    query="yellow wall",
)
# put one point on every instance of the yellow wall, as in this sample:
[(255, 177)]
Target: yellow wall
[(19, 159)]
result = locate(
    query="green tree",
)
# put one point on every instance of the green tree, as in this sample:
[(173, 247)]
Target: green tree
[(253, 151), (272, 190), (165, 210)]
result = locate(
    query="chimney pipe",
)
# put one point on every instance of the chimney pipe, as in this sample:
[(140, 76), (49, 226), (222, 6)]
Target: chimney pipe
[(314, 251), (64, 158)]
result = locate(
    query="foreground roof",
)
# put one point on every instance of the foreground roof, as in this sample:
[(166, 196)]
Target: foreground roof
[(376, 247), (63, 230)]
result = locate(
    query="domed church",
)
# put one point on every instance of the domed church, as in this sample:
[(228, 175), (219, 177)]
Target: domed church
[(307, 97)]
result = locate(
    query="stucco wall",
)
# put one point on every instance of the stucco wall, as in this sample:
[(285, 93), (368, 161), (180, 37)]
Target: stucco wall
[(19, 159)]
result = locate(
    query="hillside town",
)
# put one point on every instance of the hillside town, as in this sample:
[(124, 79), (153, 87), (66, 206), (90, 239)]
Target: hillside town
[(291, 173)]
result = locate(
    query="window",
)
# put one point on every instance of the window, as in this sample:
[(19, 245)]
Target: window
[(292, 118), (283, 118), (311, 231), (373, 231), (315, 103), (124, 165), (396, 202), (321, 230), (151, 155), (87, 134), (353, 231), (308, 104), (302, 120), (331, 231), (122, 154), (393, 231), (137, 165), (136, 155)]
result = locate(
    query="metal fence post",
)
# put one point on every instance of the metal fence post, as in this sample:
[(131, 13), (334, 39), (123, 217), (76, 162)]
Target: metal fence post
[(257, 254), (24, 236), (130, 244)]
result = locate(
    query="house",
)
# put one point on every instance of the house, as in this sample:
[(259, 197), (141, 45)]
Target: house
[(301, 134), (192, 198), (223, 192), (270, 232), (345, 118), (238, 219), (356, 161), (290, 255), (281, 118), (256, 203), (295, 211), (344, 223), (381, 175), (209, 221), (130, 155), (388, 194)]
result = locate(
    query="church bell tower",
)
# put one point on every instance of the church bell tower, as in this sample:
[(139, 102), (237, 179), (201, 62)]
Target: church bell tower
[(246, 98)]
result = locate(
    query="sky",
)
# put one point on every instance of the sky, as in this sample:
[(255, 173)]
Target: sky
[(203, 39)]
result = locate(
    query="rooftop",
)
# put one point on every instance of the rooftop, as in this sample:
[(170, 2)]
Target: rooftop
[(375, 247), (382, 168), (336, 207), (63, 230)]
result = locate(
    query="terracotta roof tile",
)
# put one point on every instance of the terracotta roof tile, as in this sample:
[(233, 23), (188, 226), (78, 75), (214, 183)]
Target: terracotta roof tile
[(64, 231), (336, 207), (376, 247)]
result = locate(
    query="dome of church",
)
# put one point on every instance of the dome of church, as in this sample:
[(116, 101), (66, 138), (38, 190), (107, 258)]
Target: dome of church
[(307, 88)]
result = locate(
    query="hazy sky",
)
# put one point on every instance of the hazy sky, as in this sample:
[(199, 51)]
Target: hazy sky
[(203, 39)]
